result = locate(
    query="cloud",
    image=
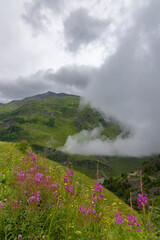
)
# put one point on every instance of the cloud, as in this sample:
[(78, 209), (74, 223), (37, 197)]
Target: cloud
[(78, 76), (81, 29), (127, 88), (71, 79), (37, 12)]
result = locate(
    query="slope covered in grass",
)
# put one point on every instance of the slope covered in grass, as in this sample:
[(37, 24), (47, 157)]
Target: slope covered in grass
[(48, 119), (40, 199)]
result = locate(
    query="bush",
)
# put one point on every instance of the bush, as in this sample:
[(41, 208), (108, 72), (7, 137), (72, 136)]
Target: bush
[(23, 146)]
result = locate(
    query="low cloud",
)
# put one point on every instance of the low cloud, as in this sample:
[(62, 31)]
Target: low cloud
[(89, 143), (81, 29)]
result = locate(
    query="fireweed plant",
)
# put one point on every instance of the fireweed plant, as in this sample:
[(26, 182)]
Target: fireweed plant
[(46, 202)]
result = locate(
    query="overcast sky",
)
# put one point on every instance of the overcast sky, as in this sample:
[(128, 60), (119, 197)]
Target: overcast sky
[(106, 51)]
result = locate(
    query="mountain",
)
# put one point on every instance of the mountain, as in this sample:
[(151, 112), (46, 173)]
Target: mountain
[(46, 120)]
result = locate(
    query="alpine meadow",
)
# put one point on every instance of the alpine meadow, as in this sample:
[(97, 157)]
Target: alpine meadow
[(79, 120)]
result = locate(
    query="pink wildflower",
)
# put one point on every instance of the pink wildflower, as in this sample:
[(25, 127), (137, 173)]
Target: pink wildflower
[(119, 219), (142, 200)]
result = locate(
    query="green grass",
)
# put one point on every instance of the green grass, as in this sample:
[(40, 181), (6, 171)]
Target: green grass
[(125, 164), (61, 221), (68, 118)]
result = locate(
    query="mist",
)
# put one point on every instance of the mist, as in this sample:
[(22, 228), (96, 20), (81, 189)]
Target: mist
[(126, 87)]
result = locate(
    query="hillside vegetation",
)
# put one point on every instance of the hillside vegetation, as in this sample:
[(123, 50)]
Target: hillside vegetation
[(46, 120), (40, 199)]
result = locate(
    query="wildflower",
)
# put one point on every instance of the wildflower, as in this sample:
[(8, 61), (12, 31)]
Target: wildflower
[(19, 236), (142, 200), (119, 219), (38, 193), (68, 181), (1, 205), (33, 159), (98, 188), (97, 192), (29, 154), (53, 185), (81, 209), (38, 177), (132, 220), (36, 167), (149, 226)]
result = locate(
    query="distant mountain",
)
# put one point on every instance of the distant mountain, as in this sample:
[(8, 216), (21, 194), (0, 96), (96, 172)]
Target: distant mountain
[(48, 119)]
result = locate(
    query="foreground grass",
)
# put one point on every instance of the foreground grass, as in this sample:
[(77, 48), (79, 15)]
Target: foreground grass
[(40, 199)]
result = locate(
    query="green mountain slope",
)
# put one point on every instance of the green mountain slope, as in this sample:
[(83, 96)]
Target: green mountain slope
[(48, 119)]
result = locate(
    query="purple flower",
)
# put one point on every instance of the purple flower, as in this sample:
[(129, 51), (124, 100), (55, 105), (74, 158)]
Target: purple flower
[(19, 236), (33, 159), (119, 219), (68, 181), (149, 226), (36, 167), (98, 187), (142, 200), (38, 193), (97, 192), (1, 205), (132, 220), (81, 209), (38, 178), (70, 188)]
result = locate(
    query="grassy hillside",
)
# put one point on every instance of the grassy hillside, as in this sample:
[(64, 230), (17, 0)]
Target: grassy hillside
[(39, 199), (48, 119)]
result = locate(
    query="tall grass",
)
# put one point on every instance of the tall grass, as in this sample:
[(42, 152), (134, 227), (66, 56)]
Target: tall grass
[(45, 201)]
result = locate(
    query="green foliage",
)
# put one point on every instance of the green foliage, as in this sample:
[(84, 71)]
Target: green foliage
[(13, 133), (120, 187), (23, 146), (151, 167), (47, 218), (50, 122)]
